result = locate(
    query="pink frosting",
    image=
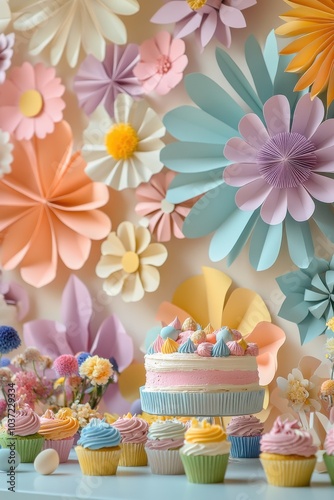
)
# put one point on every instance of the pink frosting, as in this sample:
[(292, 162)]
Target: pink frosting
[(329, 442), (203, 377), (236, 334), (235, 348), (164, 444), (245, 425), (133, 430), (204, 349), (27, 422), (252, 349), (287, 438), (183, 336), (157, 344)]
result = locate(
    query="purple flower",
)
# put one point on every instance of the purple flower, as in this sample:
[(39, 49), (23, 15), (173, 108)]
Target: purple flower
[(6, 53)]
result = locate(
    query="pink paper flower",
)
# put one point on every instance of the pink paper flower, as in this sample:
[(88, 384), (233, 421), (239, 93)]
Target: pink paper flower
[(30, 101), (207, 18), (162, 62), (6, 53), (164, 218), (99, 82), (281, 168)]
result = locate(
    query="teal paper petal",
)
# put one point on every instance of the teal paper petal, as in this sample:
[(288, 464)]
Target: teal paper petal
[(265, 245), (317, 266), (182, 188), (300, 242), (243, 238), (193, 157), (312, 296), (311, 328), (319, 309), (295, 282), (294, 308), (323, 217), (285, 82), (270, 54), (258, 68), (317, 283), (330, 280)]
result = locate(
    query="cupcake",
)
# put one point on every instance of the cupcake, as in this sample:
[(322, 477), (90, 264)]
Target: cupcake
[(133, 431), (164, 440), (205, 453), (288, 454), (244, 434), (21, 431), (58, 431), (328, 456)]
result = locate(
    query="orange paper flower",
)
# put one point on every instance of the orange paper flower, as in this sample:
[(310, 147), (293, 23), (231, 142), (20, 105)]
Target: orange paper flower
[(48, 208)]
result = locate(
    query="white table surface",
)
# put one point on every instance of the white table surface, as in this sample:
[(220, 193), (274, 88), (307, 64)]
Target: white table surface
[(244, 480)]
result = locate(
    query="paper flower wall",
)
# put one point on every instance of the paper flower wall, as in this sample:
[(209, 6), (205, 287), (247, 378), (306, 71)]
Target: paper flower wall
[(74, 334), (30, 101), (202, 133), (162, 62), (16, 296), (66, 26), (5, 15), (100, 82), (6, 53), (312, 22), (123, 152), (6, 156), (164, 219), (49, 208), (309, 299), (207, 18), (128, 263)]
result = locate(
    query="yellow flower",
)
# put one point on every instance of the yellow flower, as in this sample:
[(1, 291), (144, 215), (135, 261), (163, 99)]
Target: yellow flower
[(330, 324), (60, 381), (97, 370)]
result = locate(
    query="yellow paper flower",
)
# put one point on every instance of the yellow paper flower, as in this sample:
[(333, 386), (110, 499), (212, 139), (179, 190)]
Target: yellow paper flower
[(98, 370), (312, 22)]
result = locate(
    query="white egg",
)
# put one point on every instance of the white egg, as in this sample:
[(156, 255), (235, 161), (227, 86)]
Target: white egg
[(46, 461), (9, 459)]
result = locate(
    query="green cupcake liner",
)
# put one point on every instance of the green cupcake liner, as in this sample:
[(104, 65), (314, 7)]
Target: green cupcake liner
[(205, 469), (28, 447), (329, 462)]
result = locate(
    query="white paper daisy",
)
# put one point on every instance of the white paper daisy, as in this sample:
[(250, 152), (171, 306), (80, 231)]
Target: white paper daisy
[(68, 25), (6, 156), (124, 151)]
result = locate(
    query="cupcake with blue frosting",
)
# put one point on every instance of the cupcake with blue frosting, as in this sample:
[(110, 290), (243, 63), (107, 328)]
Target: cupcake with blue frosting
[(98, 449)]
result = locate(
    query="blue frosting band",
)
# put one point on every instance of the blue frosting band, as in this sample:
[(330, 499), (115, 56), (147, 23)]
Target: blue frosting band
[(99, 434)]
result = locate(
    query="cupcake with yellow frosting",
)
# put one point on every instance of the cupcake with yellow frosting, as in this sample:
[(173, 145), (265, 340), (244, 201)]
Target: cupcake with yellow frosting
[(205, 453), (59, 430), (133, 431)]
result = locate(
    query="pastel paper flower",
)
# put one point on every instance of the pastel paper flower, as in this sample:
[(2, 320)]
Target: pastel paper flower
[(128, 263), (6, 156), (309, 298), (162, 62), (207, 18), (30, 101), (49, 208), (312, 25), (300, 392), (5, 15), (66, 365), (14, 296), (164, 219), (282, 168), (123, 152), (6, 53), (66, 26), (100, 82)]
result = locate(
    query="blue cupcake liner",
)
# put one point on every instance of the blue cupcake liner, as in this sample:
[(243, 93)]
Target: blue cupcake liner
[(245, 446)]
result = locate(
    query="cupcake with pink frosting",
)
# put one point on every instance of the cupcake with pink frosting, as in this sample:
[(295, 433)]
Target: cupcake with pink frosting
[(20, 431), (244, 433), (288, 454), (59, 430), (133, 432), (328, 456)]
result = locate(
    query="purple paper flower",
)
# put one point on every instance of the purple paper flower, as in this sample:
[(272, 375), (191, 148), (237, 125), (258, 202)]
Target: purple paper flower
[(282, 166), (207, 18), (15, 295), (6, 53), (99, 82)]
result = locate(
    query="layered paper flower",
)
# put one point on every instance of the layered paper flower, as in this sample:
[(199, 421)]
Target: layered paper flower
[(309, 298), (14, 296), (123, 152), (201, 135), (5, 15), (30, 101), (6, 53), (49, 208), (128, 263), (162, 62), (75, 333), (207, 18), (6, 157), (66, 26), (312, 23), (164, 219), (100, 82), (300, 392)]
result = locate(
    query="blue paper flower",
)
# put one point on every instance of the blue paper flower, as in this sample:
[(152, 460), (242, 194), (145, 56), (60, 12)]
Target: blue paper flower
[(9, 339), (197, 156), (309, 298)]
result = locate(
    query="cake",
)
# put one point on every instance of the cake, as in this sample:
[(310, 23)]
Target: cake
[(59, 430), (288, 455), (133, 431), (191, 372), (328, 456), (205, 453), (244, 433)]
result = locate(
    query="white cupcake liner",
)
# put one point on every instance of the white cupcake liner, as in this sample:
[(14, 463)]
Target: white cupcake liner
[(165, 462)]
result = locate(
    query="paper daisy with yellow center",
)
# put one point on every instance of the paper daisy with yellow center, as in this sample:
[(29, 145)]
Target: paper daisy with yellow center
[(300, 392), (124, 151)]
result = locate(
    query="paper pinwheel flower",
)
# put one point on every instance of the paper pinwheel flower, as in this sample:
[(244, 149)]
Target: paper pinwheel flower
[(164, 219), (128, 263), (100, 82), (309, 298), (6, 156), (123, 152), (75, 334), (207, 18), (6, 53), (202, 133), (313, 23), (30, 101), (5, 15), (48, 208), (162, 62), (66, 26)]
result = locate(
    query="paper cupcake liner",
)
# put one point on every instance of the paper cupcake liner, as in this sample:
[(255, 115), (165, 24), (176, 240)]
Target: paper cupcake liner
[(28, 448), (205, 469), (62, 447), (133, 455), (245, 446), (201, 404), (294, 472), (103, 462), (329, 462), (165, 462)]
